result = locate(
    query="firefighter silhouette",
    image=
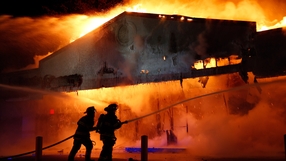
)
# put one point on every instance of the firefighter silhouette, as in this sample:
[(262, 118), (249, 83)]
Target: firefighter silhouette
[(82, 135), (106, 125)]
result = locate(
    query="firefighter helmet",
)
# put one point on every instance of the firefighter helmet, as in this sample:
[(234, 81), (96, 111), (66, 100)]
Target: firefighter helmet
[(111, 107), (90, 109)]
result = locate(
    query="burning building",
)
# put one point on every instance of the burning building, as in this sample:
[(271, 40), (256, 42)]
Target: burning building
[(155, 65)]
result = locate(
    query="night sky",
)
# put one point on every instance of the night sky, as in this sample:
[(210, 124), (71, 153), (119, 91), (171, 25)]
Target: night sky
[(35, 8)]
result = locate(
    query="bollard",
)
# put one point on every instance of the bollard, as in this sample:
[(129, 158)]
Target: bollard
[(39, 144), (144, 148), (285, 145)]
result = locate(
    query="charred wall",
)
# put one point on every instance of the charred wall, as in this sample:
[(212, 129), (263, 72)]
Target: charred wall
[(271, 53)]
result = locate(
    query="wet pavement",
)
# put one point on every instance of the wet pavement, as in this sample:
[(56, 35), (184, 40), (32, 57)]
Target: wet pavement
[(151, 157)]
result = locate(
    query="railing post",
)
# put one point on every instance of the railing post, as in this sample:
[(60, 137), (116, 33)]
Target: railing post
[(144, 148), (285, 145), (39, 144)]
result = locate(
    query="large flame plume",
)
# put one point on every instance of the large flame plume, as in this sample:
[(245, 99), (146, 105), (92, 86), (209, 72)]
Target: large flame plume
[(23, 38)]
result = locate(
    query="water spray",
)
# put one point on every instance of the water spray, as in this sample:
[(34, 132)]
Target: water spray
[(205, 95)]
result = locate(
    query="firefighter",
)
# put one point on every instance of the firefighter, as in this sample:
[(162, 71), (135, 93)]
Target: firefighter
[(106, 125), (82, 135)]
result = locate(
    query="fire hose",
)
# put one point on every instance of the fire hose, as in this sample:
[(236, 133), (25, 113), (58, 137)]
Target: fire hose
[(158, 111), (18, 155)]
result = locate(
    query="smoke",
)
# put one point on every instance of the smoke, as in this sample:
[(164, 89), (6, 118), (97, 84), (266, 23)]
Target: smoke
[(225, 135), (23, 38), (202, 46)]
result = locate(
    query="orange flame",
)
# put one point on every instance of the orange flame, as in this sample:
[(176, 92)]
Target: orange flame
[(80, 25), (213, 62), (210, 9)]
